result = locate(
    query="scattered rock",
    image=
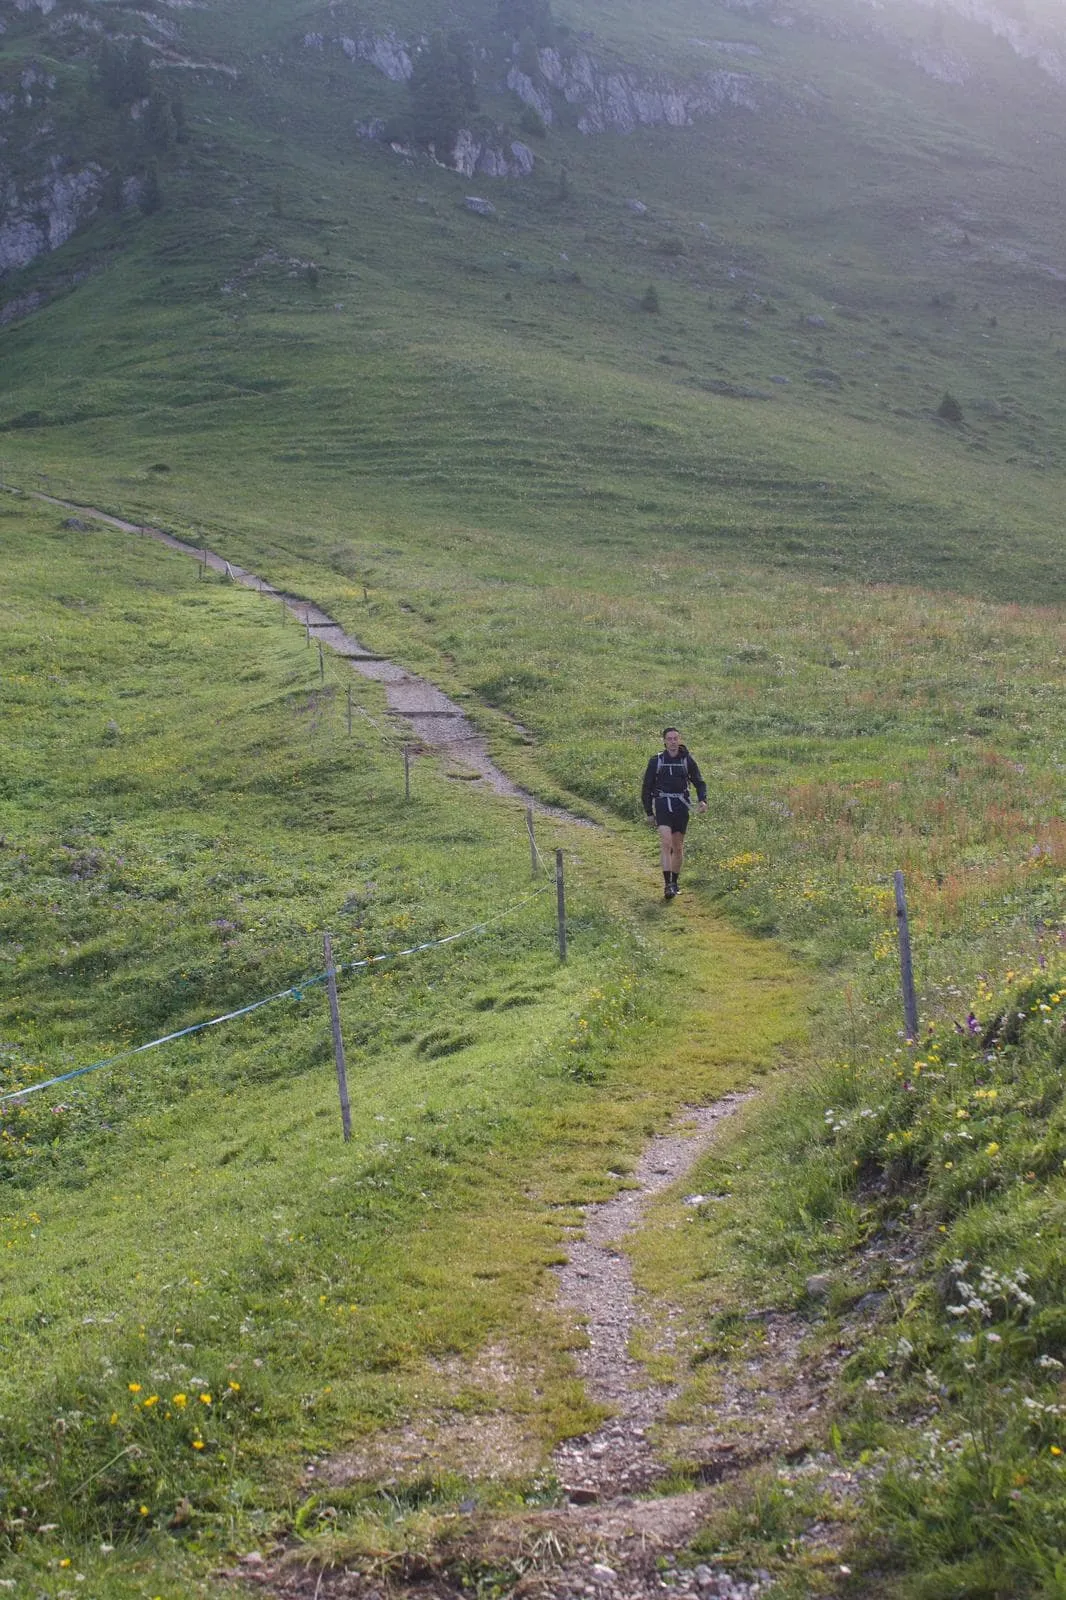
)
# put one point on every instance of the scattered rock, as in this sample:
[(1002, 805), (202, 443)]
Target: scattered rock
[(480, 207)]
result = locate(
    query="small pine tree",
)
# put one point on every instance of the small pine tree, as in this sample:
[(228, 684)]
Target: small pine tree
[(111, 193), (138, 71), (649, 300), (151, 190), (949, 409), (123, 72), (158, 127), (515, 16), (181, 121), (443, 91)]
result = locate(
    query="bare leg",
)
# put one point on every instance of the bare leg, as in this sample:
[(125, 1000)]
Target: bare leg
[(677, 848), (666, 848)]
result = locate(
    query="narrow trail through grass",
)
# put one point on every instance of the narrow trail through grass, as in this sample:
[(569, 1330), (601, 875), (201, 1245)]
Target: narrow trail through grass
[(436, 721), (671, 1008)]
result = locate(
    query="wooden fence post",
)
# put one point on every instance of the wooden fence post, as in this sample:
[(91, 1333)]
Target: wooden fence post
[(532, 841), (906, 970), (560, 903), (407, 772), (338, 1041), (349, 698), (321, 664)]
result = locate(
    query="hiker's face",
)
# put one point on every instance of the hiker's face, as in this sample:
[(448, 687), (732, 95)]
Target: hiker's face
[(672, 740)]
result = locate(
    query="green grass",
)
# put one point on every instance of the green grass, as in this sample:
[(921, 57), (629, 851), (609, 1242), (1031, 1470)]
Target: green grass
[(185, 813), (585, 519), (925, 1189)]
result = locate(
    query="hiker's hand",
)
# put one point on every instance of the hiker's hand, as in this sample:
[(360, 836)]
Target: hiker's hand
[(703, 805)]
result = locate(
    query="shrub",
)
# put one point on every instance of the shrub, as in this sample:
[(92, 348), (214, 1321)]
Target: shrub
[(649, 300), (949, 409)]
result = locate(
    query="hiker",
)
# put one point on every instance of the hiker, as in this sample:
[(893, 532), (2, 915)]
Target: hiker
[(665, 797)]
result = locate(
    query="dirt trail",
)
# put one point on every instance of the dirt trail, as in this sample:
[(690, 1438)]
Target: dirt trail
[(613, 1538), (598, 1283), (436, 722)]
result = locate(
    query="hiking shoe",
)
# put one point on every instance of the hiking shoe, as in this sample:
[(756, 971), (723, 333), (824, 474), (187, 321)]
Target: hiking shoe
[(669, 891)]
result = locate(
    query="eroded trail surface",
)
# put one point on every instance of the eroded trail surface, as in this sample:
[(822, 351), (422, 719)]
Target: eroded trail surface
[(611, 1539), (419, 708), (598, 1283)]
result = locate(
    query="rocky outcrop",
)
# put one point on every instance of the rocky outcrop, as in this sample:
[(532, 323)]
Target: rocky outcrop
[(45, 214), (620, 99), (623, 99), (491, 158), (385, 51), (945, 66), (531, 94), (1047, 52), (1039, 43)]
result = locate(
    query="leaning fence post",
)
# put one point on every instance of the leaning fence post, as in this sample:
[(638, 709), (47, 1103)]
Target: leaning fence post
[(407, 772), (321, 664), (338, 1041), (349, 698), (560, 903), (532, 841), (906, 971)]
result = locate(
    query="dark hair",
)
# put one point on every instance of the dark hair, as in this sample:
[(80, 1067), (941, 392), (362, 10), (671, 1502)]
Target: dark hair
[(670, 729)]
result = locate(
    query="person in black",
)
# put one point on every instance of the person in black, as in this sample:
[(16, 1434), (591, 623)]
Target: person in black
[(665, 797)]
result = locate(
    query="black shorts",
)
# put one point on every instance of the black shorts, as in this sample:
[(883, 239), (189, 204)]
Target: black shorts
[(671, 812)]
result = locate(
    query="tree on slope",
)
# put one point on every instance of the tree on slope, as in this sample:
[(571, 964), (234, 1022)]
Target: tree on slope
[(443, 90)]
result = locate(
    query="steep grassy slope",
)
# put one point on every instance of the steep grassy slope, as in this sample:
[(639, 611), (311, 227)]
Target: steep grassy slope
[(740, 510)]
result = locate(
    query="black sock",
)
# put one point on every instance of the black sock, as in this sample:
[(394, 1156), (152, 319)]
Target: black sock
[(666, 877), (673, 877)]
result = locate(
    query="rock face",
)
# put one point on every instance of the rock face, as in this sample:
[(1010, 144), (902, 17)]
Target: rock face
[(494, 159), (619, 100), (385, 51), (1026, 40), (624, 99), (45, 214)]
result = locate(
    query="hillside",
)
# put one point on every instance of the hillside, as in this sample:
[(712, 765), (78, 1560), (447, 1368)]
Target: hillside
[(605, 365), (837, 241)]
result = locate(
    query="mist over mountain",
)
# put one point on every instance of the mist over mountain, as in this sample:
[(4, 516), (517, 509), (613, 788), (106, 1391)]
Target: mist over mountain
[(844, 215), (94, 95)]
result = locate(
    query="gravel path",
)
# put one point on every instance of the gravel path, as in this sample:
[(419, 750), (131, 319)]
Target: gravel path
[(598, 1283), (420, 710)]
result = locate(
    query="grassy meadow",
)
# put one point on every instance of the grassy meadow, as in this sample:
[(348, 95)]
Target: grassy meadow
[(203, 1284), (467, 440)]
